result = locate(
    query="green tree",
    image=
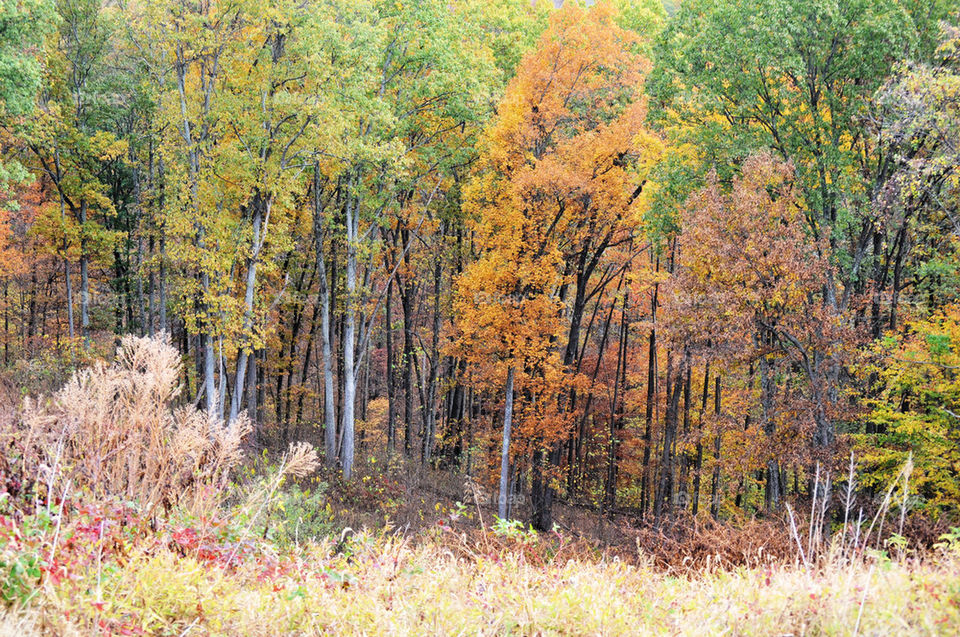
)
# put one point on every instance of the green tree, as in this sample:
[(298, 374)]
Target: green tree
[(23, 25), (799, 77)]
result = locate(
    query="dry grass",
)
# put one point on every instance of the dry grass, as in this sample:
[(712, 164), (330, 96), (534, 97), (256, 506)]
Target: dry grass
[(18, 624), (391, 586), (111, 431)]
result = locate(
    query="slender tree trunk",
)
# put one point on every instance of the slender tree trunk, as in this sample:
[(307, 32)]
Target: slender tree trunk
[(455, 413), (646, 479), (142, 299), (32, 313), (698, 466), (581, 433), (223, 379), (391, 390), (616, 412), (503, 497), (772, 491), (430, 415), (715, 484), (326, 327), (682, 489), (84, 276), (252, 388), (897, 275), (406, 302), (541, 495), (261, 209), (162, 269), (66, 260), (307, 359), (209, 360), (664, 495), (66, 274), (364, 400)]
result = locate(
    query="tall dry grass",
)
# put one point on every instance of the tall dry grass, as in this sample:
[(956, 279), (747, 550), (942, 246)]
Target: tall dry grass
[(113, 431)]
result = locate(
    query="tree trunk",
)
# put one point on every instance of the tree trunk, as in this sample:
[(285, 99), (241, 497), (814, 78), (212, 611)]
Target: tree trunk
[(209, 360), (406, 303), (645, 478), (162, 274), (261, 209), (329, 399), (541, 495), (698, 466), (715, 485), (430, 415), (252, 388), (767, 391), (349, 341), (503, 497), (683, 493), (664, 494), (66, 261), (616, 411), (391, 390), (84, 276)]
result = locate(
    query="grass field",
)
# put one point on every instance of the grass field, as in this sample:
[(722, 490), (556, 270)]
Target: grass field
[(389, 586)]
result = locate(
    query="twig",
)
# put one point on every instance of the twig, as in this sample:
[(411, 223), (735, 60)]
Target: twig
[(863, 600), (796, 535)]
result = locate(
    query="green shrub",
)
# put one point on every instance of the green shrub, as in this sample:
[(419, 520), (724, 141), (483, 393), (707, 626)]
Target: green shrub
[(21, 557), (300, 513)]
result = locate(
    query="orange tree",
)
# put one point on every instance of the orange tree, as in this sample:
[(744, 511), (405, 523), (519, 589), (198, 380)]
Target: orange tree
[(559, 172)]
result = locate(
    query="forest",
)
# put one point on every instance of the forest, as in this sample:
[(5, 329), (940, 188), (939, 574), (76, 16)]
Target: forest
[(315, 307)]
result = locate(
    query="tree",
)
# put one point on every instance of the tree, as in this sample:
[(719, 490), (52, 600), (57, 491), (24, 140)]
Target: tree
[(237, 97), (911, 370), (916, 410), (415, 80), (916, 126), (560, 169), (23, 25), (748, 289), (68, 142), (798, 77)]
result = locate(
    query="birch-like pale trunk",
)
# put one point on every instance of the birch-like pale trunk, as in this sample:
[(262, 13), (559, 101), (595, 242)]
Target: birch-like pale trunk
[(349, 341), (329, 400), (504, 496), (209, 362), (193, 154), (248, 297)]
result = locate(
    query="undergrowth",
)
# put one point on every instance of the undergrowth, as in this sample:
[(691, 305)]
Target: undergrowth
[(122, 515)]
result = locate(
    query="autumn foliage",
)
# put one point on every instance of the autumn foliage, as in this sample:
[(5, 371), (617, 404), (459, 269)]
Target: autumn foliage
[(634, 259)]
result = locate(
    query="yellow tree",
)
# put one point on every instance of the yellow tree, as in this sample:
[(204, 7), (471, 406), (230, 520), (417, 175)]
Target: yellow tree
[(238, 92), (915, 411), (68, 144)]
